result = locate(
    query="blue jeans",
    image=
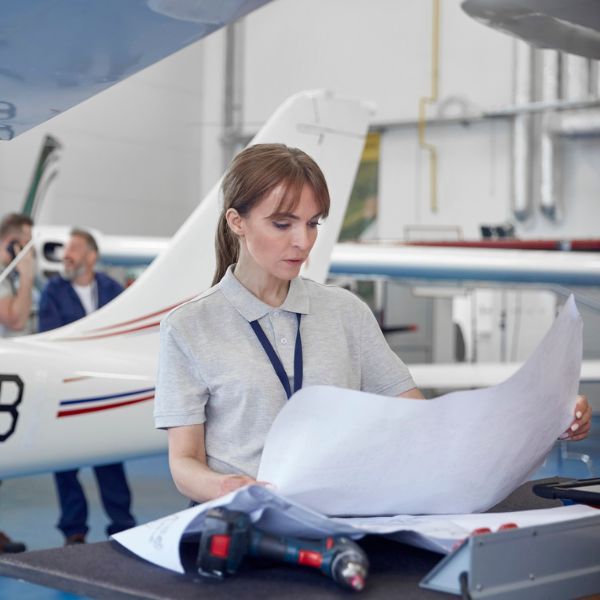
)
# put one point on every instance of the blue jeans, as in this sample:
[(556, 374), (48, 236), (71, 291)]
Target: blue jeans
[(114, 493)]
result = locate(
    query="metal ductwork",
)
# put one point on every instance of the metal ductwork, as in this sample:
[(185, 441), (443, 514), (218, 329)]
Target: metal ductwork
[(551, 90), (571, 78), (580, 124), (521, 142)]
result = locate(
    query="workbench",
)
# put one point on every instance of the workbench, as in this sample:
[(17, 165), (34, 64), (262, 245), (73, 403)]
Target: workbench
[(107, 570)]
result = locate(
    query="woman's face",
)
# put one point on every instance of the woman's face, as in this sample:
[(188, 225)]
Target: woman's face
[(278, 243)]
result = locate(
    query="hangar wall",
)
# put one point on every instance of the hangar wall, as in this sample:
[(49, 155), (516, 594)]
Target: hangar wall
[(138, 157)]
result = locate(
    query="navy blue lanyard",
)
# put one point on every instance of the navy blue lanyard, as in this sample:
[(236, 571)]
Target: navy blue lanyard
[(279, 370)]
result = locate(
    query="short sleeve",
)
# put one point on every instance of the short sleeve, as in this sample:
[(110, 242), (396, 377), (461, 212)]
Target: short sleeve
[(382, 370), (181, 395)]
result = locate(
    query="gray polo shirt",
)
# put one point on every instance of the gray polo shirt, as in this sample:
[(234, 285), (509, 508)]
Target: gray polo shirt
[(213, 369)]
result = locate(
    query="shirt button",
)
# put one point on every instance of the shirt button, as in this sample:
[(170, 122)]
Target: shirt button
[(283, 340), (275, 313)]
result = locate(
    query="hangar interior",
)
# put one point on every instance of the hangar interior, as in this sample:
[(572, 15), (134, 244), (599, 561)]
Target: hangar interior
[(475, 136)]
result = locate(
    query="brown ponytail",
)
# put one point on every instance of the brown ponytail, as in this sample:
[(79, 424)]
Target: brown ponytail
[(253, 174), (227, 248)]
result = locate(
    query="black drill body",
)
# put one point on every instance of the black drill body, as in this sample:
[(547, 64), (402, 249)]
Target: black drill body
[(229, 536)]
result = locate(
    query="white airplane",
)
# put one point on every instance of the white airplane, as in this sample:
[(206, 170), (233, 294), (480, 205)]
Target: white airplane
[(82, 394)]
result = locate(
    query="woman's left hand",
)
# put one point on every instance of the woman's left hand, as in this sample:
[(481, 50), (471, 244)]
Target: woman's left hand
[(582, 423)]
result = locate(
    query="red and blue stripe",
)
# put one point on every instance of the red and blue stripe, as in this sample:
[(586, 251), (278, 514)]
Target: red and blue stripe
[(78, 406)]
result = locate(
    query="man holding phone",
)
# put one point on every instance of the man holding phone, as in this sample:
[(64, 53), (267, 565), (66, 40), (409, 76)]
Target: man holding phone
[(15, 300), (16, 295)]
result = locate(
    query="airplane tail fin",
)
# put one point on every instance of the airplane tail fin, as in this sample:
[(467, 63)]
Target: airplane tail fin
[(331, 130)]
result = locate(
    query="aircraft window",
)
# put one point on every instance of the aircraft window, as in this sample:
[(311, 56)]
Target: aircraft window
[(53, 251)]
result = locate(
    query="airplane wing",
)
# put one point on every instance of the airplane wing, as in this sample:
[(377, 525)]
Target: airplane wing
[(372, 260), (467, 264), (56, 53), (462, 376), (571, 26)]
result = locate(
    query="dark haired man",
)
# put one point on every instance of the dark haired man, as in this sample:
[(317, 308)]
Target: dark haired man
[(79, 291), (16, 289)]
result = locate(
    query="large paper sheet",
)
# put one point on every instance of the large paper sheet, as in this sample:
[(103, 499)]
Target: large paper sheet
[(159, 541), (346, 453)]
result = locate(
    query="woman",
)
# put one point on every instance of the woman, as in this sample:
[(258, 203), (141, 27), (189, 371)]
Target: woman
[(230, 358)]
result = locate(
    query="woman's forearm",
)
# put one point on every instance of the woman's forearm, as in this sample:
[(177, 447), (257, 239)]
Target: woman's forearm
[(198, 482)]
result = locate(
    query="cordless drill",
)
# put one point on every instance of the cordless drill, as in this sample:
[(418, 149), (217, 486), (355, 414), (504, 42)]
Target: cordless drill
[(229, 536)]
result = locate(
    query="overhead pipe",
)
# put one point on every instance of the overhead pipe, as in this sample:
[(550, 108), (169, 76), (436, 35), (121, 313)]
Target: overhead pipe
[(232, 91), (594, 78), (580, 124), (431, 99), (551, 90), (521, 140), (574, 78), (540, 107)]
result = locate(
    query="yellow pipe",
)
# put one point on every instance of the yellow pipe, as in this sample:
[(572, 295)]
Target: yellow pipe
[(432, 98)]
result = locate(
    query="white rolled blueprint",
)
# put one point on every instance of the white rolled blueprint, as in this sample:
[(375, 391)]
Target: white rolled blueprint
[(346, 453)]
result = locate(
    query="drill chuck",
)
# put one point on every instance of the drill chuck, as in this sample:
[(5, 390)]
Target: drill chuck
[(350, 567)]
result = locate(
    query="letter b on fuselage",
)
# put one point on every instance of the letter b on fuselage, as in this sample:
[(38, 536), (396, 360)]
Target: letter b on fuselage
[(11, 394)]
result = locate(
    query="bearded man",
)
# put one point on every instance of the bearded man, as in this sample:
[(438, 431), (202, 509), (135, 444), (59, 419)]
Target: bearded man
[(79, 291)]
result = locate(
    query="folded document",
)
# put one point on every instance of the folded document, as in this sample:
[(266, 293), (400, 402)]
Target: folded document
[(159, 541)]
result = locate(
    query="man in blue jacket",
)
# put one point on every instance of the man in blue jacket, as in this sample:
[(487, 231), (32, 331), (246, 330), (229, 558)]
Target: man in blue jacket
[(65, 299)]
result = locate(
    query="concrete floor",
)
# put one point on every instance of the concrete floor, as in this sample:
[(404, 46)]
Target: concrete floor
[(29, 511)]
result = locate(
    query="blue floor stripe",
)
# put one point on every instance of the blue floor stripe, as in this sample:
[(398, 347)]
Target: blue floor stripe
[(21, 590)]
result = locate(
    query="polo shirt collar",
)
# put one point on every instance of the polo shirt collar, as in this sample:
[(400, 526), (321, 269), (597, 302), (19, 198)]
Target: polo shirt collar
[(251, 308)]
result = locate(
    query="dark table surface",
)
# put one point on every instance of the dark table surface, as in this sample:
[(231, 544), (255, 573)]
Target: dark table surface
[(106, 570)]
